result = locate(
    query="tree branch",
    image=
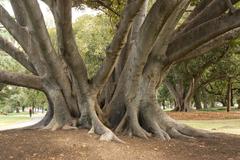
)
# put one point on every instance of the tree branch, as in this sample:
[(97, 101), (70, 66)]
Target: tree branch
[(167, 30), (17, 54), (19, 12), (214, 9), (171, 89), (22, 80), (206, 65), (197, 10), (107, 7), (117, 44), (66, 40), (212, 44), (19, 33), (202, 34)]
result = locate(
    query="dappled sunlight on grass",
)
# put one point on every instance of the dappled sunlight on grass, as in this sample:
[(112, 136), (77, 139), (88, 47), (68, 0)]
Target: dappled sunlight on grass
[(227, 126)]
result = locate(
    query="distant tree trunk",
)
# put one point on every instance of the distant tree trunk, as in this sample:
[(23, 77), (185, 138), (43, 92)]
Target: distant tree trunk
[(232, 97), (164, 104), (197, 101), (182, 97), (17, 107), (205, 104), (23, 108), (212, 104), (238, 102), (229, 95), (33, 107)]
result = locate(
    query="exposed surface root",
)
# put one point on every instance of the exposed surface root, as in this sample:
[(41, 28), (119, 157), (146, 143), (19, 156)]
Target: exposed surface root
[(68, 127), (138, 131), (108, 135), (187, 130), (176, 134), (53, 125), (131, 127), (84, 122), (154, 122), (159, 132)]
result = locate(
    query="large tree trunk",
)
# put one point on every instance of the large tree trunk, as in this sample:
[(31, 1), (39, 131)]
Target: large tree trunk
[(141, 53)]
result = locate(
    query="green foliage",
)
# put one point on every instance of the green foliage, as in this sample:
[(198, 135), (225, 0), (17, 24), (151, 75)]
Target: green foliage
[(12, 97), (212, 86), (93, 34)]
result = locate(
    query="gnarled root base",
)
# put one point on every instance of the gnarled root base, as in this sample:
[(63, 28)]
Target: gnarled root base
[(146, 121), (90, 119), (54, 125), (152, 121)]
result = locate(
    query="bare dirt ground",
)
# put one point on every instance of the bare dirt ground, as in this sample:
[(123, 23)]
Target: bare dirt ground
[(79, 145)]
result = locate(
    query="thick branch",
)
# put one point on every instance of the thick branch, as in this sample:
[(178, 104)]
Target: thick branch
[(66, 41), (159, 17), (19, 12), (41, 39), (21, 80), (19, 33), (101, 3), (16, 54), (214, 43), (199, 8), (212, 10), (117, 44), (171, 89), (23, 36), (39, 29), (202, 34), (165, 35)]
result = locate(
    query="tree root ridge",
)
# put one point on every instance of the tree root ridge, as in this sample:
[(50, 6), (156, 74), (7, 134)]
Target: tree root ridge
[(105, 134), (152, 121)]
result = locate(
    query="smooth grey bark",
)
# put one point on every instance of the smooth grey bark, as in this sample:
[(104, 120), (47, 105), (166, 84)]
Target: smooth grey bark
[(22, 80)]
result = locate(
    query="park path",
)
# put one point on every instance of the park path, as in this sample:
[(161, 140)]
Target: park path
[(33, 120)]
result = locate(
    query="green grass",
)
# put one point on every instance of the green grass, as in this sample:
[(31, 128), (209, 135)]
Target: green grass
[(215, 109), (226, 126), (13, 118)]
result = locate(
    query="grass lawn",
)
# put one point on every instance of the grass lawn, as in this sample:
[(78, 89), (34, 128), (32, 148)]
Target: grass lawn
[(226, 126), (14, 118)]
